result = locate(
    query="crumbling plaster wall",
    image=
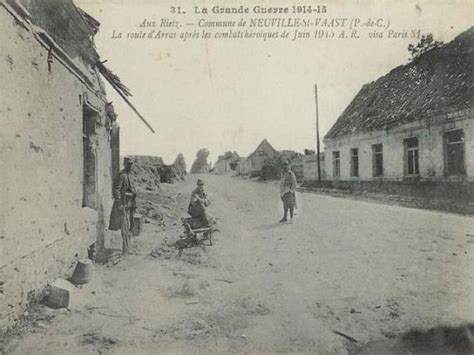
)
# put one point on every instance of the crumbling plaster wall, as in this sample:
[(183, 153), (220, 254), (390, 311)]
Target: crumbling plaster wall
[(43, 227)]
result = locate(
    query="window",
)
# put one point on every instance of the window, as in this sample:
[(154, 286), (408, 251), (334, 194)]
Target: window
[(377, 160), (354, 162), (89, 160), (411, 156), (454, 152), (336, 164)]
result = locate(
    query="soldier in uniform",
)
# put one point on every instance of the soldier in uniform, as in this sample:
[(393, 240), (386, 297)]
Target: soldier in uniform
[(287, 192), (124, 200), (198, 203)]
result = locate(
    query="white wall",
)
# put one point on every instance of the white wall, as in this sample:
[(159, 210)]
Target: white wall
[(430, 136), (45, 228)]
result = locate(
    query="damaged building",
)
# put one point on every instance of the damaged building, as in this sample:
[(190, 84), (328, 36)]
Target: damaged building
[(227, 163), (60, 146), (411, 127)]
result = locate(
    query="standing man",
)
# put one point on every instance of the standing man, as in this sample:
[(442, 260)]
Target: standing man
[(124, 199), (287, 192)]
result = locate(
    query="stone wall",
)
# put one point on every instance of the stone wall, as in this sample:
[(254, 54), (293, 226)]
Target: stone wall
[(44, 228)]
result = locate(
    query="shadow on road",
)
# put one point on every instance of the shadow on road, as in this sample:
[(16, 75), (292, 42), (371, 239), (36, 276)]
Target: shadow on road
[(437, 340)]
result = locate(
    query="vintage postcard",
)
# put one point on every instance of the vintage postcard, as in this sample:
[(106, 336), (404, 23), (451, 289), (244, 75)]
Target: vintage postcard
[(244, 176)]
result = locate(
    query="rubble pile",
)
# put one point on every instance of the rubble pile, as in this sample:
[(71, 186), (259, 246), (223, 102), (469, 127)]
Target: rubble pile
[(145, 173), (150, 210)]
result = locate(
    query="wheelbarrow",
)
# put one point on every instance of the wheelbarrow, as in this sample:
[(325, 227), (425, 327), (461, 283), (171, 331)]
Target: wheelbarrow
[(193, 228)]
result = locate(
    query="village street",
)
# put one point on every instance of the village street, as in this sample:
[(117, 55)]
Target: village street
[(368, 270)]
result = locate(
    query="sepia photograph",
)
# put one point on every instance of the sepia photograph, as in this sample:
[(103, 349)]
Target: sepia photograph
[(237, 177)]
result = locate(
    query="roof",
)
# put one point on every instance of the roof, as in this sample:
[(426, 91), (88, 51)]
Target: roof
[(69, 31), (233, 156), (67, 26), (440, 80), (263, 143), (92, 22)]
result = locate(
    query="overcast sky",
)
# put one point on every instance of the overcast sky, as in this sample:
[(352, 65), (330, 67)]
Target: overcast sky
[(229, 95)]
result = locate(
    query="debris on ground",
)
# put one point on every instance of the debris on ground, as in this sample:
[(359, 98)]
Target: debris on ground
[(58, 294), (95, 338), (348, 337), (163, 252)]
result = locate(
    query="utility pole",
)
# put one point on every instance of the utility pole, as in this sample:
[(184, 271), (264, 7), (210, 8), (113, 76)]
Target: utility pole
[(317, 132)]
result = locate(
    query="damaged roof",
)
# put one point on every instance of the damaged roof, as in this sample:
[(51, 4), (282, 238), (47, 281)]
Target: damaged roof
[(70, 31), (70, 27), (438, 81)]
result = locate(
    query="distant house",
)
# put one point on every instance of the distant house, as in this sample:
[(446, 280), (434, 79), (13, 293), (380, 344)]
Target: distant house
[(414, 124), (221, 167), (227, 163), (257, 159), (243, 166)]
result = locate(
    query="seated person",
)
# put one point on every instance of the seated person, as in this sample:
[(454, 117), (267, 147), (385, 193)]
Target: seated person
[(198, 203)]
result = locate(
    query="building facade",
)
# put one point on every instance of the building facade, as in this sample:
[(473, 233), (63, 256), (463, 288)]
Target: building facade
[(439, 149), (415, 124), (59, 147), (227, 164), (244, 166), (257, 159)]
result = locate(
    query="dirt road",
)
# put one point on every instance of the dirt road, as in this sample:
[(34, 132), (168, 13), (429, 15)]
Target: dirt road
[(367, 270)]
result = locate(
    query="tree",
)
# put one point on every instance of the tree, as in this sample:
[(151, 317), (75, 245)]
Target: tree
[(426, 44), (272, 167), (200, 165), (308, 151)]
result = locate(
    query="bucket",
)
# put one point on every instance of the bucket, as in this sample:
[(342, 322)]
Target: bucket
[(137, 224), (82, 273)]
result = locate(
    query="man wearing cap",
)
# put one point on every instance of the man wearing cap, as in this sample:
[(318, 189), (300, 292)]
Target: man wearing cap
[(287, 192), (198, 203), (124, 199)]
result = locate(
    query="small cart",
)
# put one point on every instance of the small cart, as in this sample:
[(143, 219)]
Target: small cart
[(193, 228)]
